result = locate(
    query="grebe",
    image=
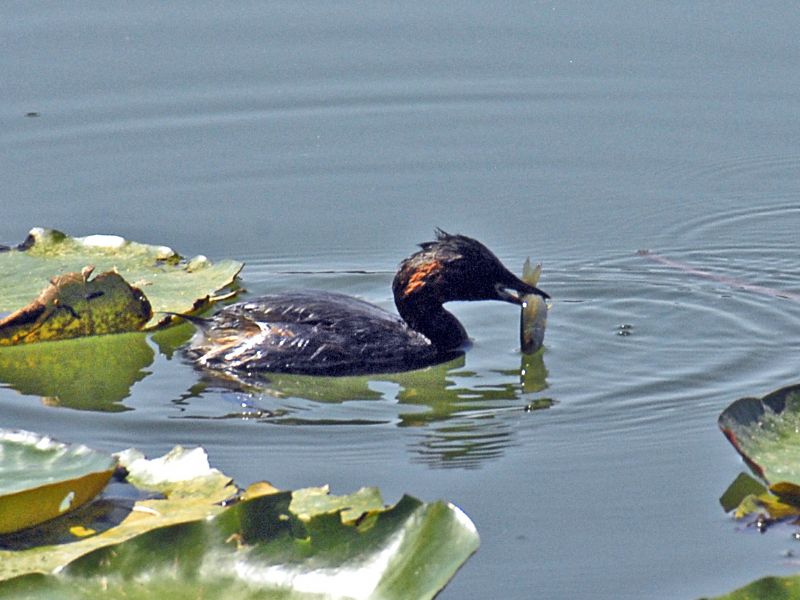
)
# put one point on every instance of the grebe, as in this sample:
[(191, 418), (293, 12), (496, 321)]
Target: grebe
[(323, 333)]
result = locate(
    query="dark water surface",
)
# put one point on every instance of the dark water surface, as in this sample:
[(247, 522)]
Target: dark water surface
[(319, 142)]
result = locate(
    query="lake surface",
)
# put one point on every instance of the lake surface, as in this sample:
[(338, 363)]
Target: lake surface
[(319, 142)]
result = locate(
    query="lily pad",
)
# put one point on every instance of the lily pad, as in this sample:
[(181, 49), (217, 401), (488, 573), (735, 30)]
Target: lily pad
[(41, 479), (765, 432), (181, 473), (170, 282), (767, 588), (195, 492), (742, 487), (203, 538), (74, 306)]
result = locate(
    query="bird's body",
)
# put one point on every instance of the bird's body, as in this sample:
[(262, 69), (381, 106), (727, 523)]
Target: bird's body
[(311, 332), (323, 333)]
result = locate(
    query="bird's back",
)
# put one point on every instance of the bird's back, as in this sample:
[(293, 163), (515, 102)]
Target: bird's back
[(315, 333)]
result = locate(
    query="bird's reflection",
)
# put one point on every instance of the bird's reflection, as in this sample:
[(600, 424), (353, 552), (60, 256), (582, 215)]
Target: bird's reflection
[(463, 416), (455, 416)]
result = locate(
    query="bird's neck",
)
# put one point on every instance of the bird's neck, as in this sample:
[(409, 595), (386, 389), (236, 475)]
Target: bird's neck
[(426, 315)]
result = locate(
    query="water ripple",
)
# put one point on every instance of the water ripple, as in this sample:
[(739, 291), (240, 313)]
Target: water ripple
[(733, 171), (755, 226), (695, 339)]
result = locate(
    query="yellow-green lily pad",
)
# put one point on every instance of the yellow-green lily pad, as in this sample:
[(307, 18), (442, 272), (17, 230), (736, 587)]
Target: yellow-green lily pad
[(767, 588), (316, 501), (41, 479)]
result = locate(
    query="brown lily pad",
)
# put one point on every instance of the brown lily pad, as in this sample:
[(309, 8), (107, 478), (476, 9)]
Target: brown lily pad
[(73, 305), (172, 283)]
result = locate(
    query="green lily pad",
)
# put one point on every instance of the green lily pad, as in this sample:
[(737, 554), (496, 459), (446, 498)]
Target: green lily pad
[(204, 539), (256, 549), (767, 588), (742, 487), (41, 479), (764, 431), (170, 283)]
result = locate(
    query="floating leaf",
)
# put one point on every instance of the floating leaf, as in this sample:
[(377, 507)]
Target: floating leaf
[(742, 487), (768, 588), (786, 491), (765, 432), (178, 474), (74, 306), (196, 491), (316, 501), (291, 545), (83, 373), (171, 283), (767, 506), (41, 479)]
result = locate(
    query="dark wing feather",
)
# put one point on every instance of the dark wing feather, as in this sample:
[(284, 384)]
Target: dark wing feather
[(316, 333)]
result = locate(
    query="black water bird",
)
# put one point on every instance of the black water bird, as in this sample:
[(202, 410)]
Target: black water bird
[(323, 333)]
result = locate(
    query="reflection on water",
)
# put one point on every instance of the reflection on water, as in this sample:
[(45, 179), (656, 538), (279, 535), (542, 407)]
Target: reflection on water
[(94, 373), (461, 414), (464, 417)]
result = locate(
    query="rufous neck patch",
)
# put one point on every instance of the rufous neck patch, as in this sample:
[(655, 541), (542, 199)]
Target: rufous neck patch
[(420, 276)]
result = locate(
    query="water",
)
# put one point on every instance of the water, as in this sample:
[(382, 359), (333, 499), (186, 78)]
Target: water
[(319, 142)]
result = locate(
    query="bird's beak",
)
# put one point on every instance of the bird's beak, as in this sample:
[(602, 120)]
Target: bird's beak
[(515, 290)]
